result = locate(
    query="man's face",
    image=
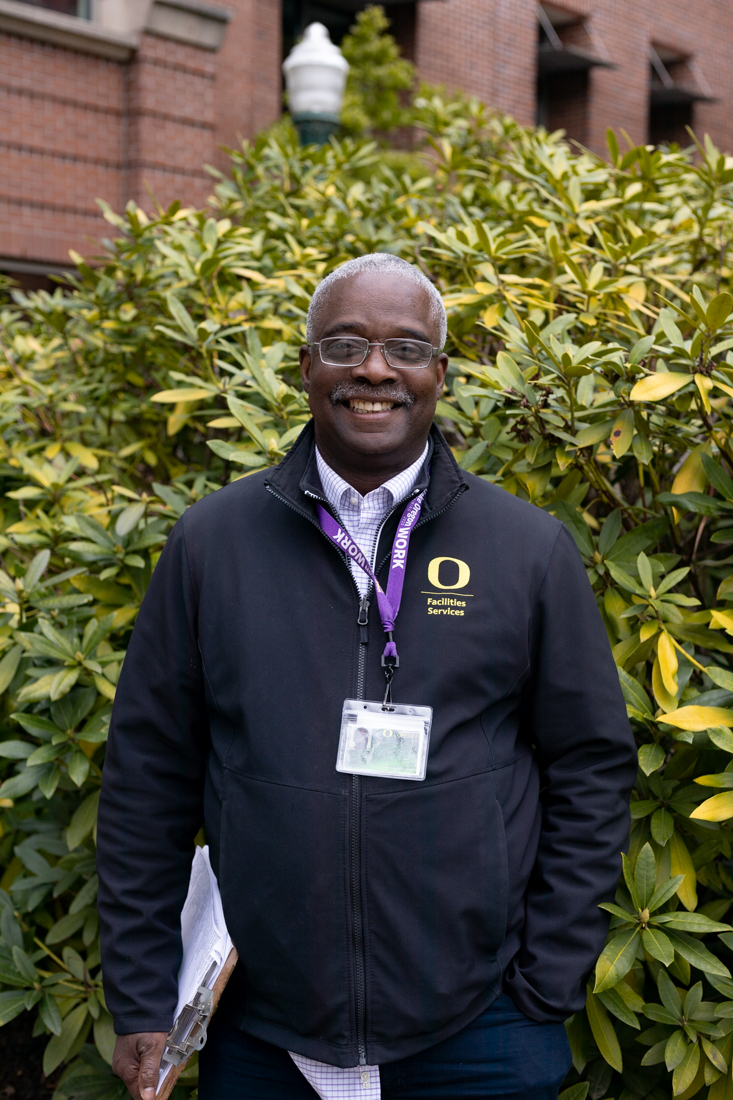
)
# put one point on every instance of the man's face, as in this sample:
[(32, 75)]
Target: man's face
[(374, 409)]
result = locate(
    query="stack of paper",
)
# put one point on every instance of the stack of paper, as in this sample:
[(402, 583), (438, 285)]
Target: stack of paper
[(206, 942)]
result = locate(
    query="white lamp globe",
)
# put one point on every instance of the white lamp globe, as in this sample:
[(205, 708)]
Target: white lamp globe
[(315, 75)]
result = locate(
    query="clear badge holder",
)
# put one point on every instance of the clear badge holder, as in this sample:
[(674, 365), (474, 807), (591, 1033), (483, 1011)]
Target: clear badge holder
[(386, 740)]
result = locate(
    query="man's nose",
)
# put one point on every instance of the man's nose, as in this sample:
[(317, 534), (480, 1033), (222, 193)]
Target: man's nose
[(375, 368)]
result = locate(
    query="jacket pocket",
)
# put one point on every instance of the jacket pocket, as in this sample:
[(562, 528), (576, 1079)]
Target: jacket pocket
[(283, 878), (436, 879)]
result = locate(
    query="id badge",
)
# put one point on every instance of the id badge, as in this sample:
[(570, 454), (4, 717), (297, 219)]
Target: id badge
[(389, 743)]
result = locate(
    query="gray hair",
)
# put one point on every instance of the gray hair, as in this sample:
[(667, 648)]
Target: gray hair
[(381, 263)]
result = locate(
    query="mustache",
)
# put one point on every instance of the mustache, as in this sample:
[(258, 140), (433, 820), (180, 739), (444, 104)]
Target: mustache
[(396, 392)]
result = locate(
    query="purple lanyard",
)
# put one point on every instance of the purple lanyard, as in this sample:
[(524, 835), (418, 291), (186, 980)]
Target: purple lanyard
[(389, 601)]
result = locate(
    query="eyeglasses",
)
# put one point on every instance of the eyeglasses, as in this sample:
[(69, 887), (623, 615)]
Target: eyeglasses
[(351, 351)]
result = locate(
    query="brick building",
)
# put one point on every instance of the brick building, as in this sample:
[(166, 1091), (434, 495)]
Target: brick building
[(113, 98)]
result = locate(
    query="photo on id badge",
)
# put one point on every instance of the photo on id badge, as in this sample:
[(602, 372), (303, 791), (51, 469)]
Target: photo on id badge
[(391, 743)]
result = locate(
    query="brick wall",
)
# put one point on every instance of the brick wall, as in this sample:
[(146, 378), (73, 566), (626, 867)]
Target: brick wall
[(487, 47), (60, 146), (248, 80), (74, 127), (170, 122), (628, 27)]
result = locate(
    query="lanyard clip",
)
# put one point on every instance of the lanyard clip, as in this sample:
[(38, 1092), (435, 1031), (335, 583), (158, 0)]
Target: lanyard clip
[(390, 660), (388, 674)]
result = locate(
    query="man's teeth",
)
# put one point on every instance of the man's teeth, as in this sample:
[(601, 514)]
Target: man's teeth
[(370, 406)]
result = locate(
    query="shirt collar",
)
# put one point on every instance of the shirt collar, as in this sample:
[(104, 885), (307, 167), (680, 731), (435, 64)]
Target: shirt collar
[(391, 492)]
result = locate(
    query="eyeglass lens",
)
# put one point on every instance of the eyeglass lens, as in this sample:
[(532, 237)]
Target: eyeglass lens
[(351, 351)]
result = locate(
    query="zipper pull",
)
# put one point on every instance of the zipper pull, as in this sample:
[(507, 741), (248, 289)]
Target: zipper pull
[(363, 620)]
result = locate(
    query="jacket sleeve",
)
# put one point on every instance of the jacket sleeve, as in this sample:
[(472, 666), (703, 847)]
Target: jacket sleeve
[(151, 805), (585, 750)]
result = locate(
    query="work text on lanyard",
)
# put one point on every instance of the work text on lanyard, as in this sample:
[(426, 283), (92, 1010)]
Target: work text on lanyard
[(388, 602)]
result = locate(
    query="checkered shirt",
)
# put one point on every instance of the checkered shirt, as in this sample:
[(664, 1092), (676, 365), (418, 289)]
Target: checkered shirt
[(332, 1083), (362, 517)]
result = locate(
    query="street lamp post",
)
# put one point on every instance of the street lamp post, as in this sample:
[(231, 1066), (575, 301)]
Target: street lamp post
[(315, 76)]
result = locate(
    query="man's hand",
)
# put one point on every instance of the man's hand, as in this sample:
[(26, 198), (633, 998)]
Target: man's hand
[(137, 1061)]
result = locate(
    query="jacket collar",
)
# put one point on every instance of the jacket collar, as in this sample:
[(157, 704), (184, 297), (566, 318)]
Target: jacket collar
[(296, 479)]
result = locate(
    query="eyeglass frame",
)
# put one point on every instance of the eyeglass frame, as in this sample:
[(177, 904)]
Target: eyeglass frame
[(376, 344)]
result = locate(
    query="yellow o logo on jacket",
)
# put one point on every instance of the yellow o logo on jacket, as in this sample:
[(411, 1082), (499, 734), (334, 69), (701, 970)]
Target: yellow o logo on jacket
[(464, 573)]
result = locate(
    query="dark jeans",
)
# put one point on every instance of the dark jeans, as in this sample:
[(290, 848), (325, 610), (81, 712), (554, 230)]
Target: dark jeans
[(502, 1054)]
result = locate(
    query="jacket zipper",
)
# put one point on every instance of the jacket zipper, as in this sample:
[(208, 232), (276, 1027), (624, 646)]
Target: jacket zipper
[(358, 916), (363, 624)]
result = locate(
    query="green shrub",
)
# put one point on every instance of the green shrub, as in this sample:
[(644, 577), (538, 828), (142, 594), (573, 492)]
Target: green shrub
[(591, 340), (378, 76)]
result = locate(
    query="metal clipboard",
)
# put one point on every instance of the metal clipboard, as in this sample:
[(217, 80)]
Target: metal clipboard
[(188, 1033)]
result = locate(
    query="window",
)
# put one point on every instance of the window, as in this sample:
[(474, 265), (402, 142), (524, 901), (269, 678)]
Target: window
[(676, 84), (340, 15), (81, 8), (568, 48)]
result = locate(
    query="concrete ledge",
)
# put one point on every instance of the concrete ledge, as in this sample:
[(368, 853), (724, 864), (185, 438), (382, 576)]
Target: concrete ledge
[(69, 31), (188, 21), (32, 267)]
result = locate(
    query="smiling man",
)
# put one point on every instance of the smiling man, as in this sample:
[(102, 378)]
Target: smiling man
[(384, 687)]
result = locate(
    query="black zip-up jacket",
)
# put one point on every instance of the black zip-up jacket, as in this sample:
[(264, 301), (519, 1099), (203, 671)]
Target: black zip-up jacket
[(373, 917)]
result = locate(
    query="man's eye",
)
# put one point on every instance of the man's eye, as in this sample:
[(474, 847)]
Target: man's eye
[(407, 351), (343, 348)]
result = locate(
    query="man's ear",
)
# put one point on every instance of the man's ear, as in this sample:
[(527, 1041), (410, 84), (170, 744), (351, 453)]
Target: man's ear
[(305, 366), (442, 368)]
